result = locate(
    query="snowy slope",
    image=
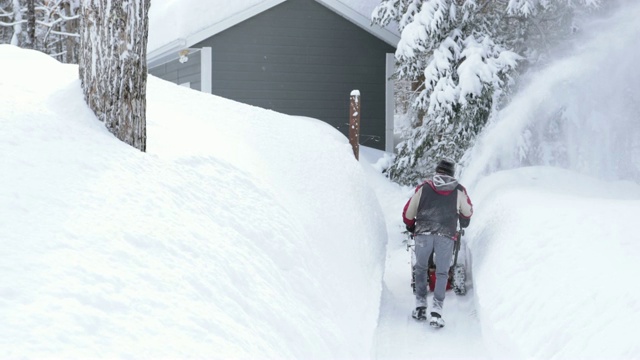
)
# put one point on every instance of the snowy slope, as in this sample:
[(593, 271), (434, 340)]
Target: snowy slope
[(242, 233)]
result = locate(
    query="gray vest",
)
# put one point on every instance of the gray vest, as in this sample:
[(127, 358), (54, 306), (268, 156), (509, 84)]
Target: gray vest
[(437, 213)]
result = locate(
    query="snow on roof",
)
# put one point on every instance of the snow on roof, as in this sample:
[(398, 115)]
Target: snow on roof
[(177, 24)]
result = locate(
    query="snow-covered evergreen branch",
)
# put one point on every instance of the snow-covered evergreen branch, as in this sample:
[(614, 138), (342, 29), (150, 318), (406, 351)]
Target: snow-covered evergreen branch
[(462, 55)]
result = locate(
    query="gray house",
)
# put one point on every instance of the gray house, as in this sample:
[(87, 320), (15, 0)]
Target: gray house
[(298, 57)]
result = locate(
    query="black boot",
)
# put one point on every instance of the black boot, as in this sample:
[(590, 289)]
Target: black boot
[(420, 313), (436, 320)]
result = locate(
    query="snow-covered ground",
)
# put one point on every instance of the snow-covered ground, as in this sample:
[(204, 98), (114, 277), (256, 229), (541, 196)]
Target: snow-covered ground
[(243, 233)]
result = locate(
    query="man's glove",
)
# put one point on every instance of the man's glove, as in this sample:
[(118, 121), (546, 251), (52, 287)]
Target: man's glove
[(464, 222), (411, 228)]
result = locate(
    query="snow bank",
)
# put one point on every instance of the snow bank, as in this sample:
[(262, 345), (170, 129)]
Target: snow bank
[(555, 251), (555, 265), (242, 233)]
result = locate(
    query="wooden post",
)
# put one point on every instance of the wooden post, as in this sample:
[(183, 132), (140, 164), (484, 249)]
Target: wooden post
[(354, 123)]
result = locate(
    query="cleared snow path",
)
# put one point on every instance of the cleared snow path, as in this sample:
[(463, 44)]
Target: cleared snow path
[(398, 335), (401, 337)]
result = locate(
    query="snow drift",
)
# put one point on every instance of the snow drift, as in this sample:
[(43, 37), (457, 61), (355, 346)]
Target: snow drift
[(555, 263), (241, 233), (555, 249)]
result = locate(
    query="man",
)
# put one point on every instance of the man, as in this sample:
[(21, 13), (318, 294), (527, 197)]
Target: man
[(432, 215)]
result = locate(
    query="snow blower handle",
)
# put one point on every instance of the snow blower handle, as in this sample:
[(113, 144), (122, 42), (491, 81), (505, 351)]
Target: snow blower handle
[(410, 240), (456, 246)]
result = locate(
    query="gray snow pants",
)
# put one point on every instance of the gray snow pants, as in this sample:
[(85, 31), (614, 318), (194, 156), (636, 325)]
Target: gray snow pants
[(443, 246)]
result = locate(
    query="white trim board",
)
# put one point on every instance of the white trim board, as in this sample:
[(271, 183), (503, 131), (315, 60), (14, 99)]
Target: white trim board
[(390, 103), (206, 69)]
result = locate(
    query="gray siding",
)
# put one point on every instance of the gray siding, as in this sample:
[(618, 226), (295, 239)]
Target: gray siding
[(179, 73), (301, 58)]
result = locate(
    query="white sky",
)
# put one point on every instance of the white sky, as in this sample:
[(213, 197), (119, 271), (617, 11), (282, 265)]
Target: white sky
[(244, 233)]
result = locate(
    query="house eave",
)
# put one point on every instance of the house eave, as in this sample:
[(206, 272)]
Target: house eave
[(362, 21), (165, 53)]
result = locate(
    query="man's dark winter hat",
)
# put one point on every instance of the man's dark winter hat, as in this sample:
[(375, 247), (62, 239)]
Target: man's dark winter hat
[(446, 167)]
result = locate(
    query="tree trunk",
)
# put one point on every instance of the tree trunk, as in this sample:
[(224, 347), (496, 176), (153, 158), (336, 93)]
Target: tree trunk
[(113, 65), (70, 43), (30, 43), (17, 24)]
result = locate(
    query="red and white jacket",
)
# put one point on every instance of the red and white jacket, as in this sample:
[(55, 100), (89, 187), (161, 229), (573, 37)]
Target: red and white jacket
[(437, 205)]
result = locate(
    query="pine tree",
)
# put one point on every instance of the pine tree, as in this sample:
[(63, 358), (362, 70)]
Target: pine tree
[(113, 65), (463, 56)]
